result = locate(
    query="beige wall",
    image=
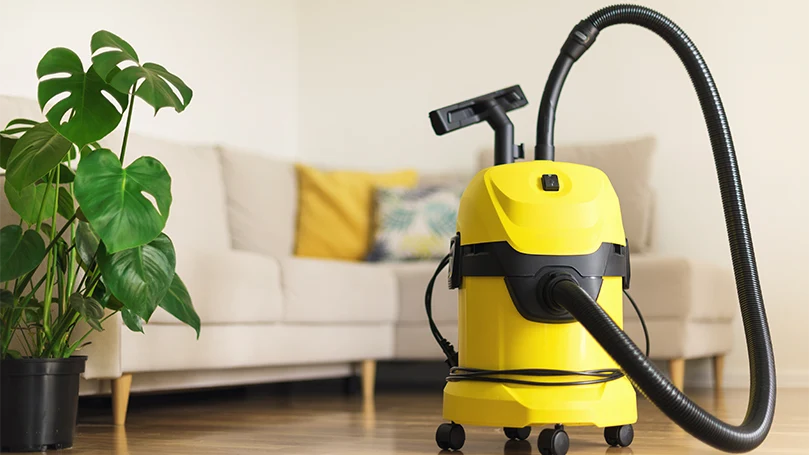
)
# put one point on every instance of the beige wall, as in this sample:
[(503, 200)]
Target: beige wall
[(239, 56), (371, 70)]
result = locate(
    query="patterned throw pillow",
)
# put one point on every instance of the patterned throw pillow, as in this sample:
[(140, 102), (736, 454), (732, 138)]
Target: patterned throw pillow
[(414, 223)]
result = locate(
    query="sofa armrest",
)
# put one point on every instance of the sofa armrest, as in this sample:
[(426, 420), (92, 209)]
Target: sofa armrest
[(680, 288), (104, 351)]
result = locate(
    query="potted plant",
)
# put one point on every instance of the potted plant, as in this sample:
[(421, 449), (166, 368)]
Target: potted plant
[(89, 245)]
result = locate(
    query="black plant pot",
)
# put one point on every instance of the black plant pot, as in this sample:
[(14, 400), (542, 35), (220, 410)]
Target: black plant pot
[(39, 399)]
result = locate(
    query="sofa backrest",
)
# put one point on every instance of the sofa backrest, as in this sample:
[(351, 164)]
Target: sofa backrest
[(12, 107), (262, 202), (628, 165)]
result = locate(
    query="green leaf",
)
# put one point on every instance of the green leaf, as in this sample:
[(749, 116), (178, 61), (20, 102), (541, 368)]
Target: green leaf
[(14, 354), (60, 248), (90, 115), (91, 147), (20, 252), (177, 302), (113, 303), (46, 229), (6, 146), (28, 202), (6, 298), (88, 308), (131, 320), (118, 51), (105, 297), (65, 205), (86, 242), (21, 123), (139, 277), (32, 315), (66, 175), (158, 86), (35, 154), (112, 198), (17, 126)]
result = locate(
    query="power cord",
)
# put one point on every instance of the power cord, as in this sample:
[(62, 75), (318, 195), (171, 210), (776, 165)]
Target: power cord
[(474, 374), (449, 350), (642, 322)]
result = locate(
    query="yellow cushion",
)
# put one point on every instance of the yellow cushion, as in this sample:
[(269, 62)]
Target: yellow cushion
[(335, 210)]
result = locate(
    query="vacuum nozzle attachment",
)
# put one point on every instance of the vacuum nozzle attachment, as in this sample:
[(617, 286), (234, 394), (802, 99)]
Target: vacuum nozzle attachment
[(492, 108)]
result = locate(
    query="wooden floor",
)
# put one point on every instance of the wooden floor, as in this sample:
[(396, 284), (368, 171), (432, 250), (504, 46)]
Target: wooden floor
[(402, 423)]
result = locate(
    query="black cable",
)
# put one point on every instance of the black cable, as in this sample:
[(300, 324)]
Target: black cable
[(640, 316), (474, 374)]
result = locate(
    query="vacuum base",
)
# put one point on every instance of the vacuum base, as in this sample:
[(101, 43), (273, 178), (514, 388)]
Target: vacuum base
[(490, 404)]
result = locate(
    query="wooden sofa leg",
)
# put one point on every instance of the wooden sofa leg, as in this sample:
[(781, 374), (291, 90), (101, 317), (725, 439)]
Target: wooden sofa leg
[(718, 373), (368, 379), (677, 372), (120, 398)]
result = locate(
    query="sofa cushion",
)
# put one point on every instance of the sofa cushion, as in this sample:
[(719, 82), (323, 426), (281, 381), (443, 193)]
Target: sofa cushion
[(229, 287), (198, 216), (681, 289), (414, 223), (628, 165), (335, 210), (329, 291), (174, 348), (262, 202), (412, 279)]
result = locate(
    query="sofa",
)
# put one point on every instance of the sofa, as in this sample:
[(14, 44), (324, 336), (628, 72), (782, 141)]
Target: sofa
[(269, 316)]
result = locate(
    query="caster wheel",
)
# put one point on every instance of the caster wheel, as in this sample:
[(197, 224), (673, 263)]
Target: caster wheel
[(450, 436), (622, 435), (520, 434), (553, 441)]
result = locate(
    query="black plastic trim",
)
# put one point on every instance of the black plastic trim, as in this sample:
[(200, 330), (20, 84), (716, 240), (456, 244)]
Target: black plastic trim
[(500, 259), (527, 275)]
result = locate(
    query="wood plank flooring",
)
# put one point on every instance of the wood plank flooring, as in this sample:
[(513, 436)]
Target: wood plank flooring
[(398, 423)]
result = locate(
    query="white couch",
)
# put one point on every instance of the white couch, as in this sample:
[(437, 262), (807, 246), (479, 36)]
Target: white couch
[(269, 316)]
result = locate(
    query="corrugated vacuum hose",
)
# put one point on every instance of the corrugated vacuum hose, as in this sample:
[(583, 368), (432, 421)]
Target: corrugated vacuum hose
[(649, 380)]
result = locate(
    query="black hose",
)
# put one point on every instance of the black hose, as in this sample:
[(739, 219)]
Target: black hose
[(650, 381), (547, 112)]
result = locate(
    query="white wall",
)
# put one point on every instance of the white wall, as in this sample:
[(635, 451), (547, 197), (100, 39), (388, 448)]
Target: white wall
[(239, 56), (371, 70), (350, 83)]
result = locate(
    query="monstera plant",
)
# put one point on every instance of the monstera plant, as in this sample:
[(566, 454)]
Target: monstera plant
[(90, 241), (96, 232)]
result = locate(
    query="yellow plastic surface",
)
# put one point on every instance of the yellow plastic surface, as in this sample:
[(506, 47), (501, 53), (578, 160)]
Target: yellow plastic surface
[(507, 203)]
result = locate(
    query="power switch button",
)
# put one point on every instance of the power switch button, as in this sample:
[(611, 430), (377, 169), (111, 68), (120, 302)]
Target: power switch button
[(550, 182)]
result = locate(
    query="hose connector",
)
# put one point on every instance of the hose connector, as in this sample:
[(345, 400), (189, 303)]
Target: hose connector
[(545, 287), (580, 39)]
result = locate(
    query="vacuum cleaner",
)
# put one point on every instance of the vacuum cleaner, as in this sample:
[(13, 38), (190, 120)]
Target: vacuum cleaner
[(541, 262)]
